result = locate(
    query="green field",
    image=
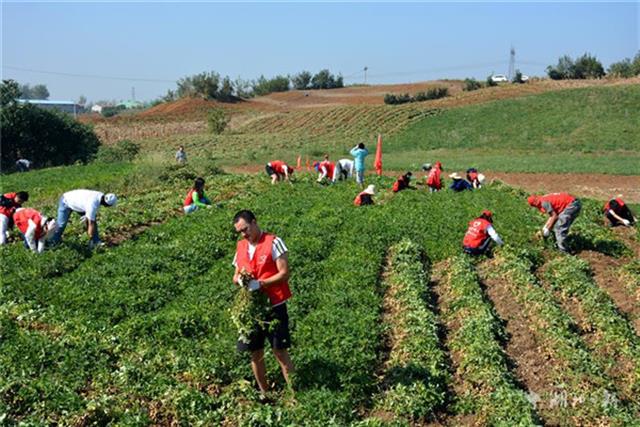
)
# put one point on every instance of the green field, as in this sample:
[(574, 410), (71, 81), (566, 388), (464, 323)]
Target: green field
[(391, 324)]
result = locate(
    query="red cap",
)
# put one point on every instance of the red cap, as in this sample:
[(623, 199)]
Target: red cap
[(487, 213), (533, 200)]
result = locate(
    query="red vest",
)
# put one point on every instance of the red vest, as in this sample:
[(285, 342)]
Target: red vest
[(358, 200), (262, 266), (278, 167), (330, 168), (476, 233), (607, 206), (433, 180), (21, 219), (9, 211), (400, 184), (558, 201)]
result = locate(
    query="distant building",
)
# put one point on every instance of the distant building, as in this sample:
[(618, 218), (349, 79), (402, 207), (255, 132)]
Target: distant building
[(64, 106), (96, 109)]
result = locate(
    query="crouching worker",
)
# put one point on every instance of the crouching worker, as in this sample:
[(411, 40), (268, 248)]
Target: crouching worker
[(618, 213), (402, 182), (278, 171), (35, 228), (265, 257), (196, 198), (365, 197), (479, 235), (9, 202), (562, 209), (458, 183)]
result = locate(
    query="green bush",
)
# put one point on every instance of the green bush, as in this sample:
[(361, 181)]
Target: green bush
[(112, 111), (490, 82), (217, 121), (584, 67), (122, 151), (264, 86), (45, 137), (471, 84), (518, 77), (325, 80), (434, 93)]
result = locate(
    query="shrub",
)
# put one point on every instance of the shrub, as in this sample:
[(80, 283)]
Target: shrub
[(518, 77), (113, 110), (217, 121), (122, 151), (435, 93), (45, 137), (584, 67), (264, 86), (325, 80), (490, 82), (471, 84)]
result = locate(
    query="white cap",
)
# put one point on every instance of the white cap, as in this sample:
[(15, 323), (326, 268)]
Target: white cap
[(426, 166), (455, 176), (481, 178), (110, 199), (371, 189)]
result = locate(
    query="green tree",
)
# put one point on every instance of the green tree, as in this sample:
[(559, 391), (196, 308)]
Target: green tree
[(225, 93), (588, 67), (217, 121), (39, 91), (301, 80), (9, 92)]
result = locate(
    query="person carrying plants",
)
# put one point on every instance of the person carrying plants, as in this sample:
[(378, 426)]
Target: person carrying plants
[(181, 155), (359, 152), (479, 235), (618, 213), (326, 169), (196, 198), (278, 171), (434, 177), (344, 169), (265, 257), (562, 209), (475, 179), (9, 202), (86, 203), (402, 182), (35, 228), (365, 197), (458, 183)]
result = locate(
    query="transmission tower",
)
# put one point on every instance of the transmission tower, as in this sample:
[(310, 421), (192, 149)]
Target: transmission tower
[(512, 63), (365, 74)]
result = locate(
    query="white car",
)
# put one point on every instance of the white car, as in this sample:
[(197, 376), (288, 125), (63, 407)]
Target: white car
[(499, 78)]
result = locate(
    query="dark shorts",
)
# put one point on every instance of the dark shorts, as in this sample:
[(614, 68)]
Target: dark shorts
[(278, 337), (269, 170)]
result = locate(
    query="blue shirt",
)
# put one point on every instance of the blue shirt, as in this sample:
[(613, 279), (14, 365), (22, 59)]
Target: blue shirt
[(460, 185), (359, 154)]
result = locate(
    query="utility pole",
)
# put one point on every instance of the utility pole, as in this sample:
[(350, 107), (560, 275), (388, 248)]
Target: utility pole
[(133, 93), (365, 74), (512, 63)]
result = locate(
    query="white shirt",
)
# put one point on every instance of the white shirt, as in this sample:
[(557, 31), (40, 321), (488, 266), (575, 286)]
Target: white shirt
[(494, 235), (83, 201), (346, 165), (30, 237), (278, 249)]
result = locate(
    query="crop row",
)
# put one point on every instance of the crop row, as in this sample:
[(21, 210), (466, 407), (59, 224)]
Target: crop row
[(631, 278), (571, 278), (576, 374), (416, 373), (489, 389)]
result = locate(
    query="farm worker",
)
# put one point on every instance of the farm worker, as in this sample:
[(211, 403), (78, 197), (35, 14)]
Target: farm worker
[(365, 197), (9, 202), (458, 183), (562, 209), (345, 169), (265, 256), (326, 169), (475, 179), (402, 182), (359, 152), (618, 213), (479, 235), (86, 203), (434, 180), (278, 171), (181, 155), (196, 198), (23, 165), (35, 228)]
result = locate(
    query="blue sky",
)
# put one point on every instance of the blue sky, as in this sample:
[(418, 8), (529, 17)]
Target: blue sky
[(398, 42)]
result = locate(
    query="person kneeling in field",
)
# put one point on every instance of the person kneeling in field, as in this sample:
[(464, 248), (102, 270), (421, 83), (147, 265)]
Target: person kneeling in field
[(475, 179), (278, 171), (618, 213), (35, 228), (9, 202), (196, 198), (326, 169), (458, 183), (265, 257), (86, 203), (562, 209), (479, 235), (403, 182), (365, 197), (345, 169), (434, 176)]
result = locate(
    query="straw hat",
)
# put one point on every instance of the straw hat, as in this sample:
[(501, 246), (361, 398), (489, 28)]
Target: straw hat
[(370, 190), (455, 176)]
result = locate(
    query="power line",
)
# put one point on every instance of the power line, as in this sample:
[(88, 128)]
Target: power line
[(92, 76)]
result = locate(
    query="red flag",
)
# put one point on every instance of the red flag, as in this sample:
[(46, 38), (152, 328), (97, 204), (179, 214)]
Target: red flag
[(299, 162), (378, 161), (308, 164)]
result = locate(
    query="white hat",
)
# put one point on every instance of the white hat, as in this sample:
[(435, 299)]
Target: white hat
[(481, 178), (370, 189), (50, 227), (110, 199), (455, 176), (426, 166)]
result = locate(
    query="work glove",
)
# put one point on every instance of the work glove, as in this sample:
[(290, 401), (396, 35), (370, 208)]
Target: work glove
[(545, 232), (254, 285), (626, 222)]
